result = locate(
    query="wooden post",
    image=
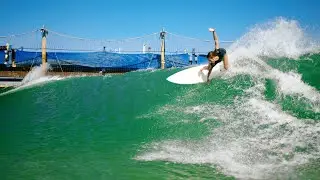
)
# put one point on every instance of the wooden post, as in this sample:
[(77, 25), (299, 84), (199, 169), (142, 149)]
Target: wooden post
[(44, 46), (162, 36)]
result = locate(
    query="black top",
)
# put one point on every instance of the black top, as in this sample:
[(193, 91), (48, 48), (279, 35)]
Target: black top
[(221, 52)]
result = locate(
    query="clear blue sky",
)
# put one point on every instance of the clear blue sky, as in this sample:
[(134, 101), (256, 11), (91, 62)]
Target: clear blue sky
[(116, 19)]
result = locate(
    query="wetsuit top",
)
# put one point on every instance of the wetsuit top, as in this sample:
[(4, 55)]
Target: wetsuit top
[(221, 52)]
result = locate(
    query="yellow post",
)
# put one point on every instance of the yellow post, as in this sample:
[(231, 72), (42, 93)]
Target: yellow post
[(162, 36), (44, 46)]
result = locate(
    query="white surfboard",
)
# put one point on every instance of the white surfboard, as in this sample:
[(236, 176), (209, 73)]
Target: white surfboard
[(193, 75)]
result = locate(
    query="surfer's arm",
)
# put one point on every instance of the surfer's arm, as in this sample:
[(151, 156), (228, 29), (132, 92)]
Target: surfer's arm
[(215, 38)]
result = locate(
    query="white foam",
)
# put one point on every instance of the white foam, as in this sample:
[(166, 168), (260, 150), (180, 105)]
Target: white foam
[(36, 73), (275, 39), (35, 77), (290, 83), (258, 141), (39, 81)]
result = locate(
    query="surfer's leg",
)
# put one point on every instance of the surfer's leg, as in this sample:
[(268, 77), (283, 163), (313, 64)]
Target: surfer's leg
[(226, 62)]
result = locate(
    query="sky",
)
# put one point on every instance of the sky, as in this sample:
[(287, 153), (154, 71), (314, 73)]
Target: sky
[(119, 19)]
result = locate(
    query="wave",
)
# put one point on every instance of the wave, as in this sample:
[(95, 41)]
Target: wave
[(257, 139)]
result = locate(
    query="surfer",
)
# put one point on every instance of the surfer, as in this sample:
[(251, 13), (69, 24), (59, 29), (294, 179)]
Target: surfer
[(216, 56)]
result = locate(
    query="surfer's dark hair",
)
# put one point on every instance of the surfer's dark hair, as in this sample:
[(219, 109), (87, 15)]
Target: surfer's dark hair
[(211, 54)]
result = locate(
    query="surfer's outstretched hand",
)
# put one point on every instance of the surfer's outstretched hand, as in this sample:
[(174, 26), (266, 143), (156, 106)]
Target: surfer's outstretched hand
[(211, 29)]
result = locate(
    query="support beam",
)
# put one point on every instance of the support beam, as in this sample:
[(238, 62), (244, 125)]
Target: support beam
[(44, 46), (162, 36)]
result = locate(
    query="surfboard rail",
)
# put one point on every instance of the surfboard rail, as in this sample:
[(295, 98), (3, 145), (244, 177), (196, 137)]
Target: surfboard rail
[(193, 75)]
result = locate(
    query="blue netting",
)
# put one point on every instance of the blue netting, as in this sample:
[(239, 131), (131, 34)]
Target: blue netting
[(107, 59)]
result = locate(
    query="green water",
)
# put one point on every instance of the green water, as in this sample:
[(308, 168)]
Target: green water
[(139, 126)]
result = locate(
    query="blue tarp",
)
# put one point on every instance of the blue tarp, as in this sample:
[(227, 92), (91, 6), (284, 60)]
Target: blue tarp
[(106, 59)]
